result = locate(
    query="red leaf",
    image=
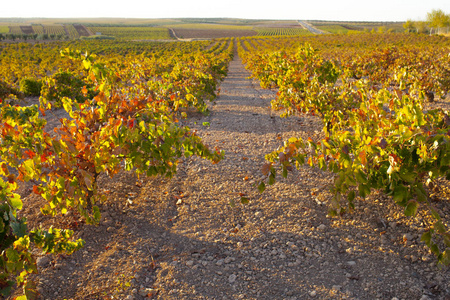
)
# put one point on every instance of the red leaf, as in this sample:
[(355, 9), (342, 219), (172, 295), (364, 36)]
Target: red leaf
[(30, 153), (36, 190)]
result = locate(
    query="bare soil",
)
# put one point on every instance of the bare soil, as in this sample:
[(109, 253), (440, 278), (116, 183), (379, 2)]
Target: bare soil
[(179, 238)]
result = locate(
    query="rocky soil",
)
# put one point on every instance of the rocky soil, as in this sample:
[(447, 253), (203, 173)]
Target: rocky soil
[(180, 238)]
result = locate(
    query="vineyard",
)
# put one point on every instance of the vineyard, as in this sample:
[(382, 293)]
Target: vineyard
[(133, 33), (281, 31), (376, 132), (198, 191), (68, 31)]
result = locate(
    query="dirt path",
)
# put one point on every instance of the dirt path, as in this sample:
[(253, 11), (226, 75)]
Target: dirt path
[(181, 239)]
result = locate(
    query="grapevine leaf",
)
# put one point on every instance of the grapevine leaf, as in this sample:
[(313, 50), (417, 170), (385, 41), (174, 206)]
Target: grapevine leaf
[(426, 238), (440, 227), (351, 196), (265, 169), (245, 200), (400, 194), (271, 179), (364, 190), (16, 202), (411, 208), (19, 228), (261, 187)]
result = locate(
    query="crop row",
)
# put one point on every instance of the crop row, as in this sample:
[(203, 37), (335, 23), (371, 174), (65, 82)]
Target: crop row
[(370, 100), (281, 31), (124, 114), (69, 30), (133, 33)]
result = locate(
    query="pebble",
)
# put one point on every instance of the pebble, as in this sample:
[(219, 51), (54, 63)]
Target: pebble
[(190, 263), (351, 263), (146, 291), (240, 244), (322, 227), (228, 259), (336, 287), (407, 237), (232, 278), (43, 261), (312, 293)]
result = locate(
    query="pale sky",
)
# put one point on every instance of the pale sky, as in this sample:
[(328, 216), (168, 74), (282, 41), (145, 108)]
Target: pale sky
[(344, 10)]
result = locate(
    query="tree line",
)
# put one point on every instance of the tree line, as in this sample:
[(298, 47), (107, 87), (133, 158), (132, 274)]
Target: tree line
[(437, 21)]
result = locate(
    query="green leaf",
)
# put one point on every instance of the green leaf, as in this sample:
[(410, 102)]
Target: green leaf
[(434, 213), (364, 190), (245, 200), (361, 177), (97, 214), (426, 238), (435, 249), (421, 193), (351, 196), (16, 202), (408, 177), (19, 228), (271, 179), (261, 187), (411, 208), (12, 255), (400, 194), (440, 227), (30, 291), (285, 172)]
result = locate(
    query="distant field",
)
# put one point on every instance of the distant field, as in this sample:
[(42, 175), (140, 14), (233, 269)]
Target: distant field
[(267, 31), (184, 28), (333, 28), (72, 31), (211, 26), (188, 33), (133, 33), (345, 27)]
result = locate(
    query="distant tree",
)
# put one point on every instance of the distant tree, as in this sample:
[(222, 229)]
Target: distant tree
[(420, 26), (438, 19), (409, 26)]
